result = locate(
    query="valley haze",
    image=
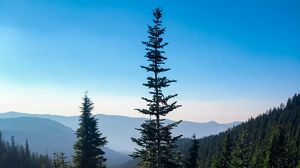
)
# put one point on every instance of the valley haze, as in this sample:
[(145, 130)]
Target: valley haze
[(120, 129)]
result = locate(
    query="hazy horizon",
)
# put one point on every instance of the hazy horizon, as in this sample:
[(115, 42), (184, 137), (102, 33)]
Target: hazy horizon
[(137, 115)]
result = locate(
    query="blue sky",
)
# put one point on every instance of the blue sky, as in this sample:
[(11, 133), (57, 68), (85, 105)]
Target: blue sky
[(232, 59)]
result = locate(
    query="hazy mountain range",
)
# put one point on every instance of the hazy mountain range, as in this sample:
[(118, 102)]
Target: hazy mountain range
[(53, 133), (46, 136), (119, 129)]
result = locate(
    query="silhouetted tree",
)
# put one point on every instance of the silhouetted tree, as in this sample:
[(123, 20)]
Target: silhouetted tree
[(27, 147), (88, 147), (156, 141), (192, 161)]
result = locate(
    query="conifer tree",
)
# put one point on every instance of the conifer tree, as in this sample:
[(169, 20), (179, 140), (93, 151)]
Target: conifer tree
[(13, 144), (257, 160), (88, 147), (277, 152), (27, 156), (192, 161), (225, 156), (14, 155), (59, 160), (240, 158), (156, 141), (27, 148)]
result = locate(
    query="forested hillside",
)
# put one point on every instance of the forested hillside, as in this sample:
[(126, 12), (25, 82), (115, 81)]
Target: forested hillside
[(13, 155), (270, 140)]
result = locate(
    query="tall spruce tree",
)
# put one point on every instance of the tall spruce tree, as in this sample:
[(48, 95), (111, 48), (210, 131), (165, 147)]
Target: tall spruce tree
[(88, 147), (156, 141), (192, 160)]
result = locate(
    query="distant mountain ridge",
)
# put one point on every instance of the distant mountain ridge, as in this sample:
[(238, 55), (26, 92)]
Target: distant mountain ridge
[(120, 129), (46, 136), (39, 132)]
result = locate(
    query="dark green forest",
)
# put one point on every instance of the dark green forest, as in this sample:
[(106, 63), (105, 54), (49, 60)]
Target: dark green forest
[(269, 140), (14, 155)]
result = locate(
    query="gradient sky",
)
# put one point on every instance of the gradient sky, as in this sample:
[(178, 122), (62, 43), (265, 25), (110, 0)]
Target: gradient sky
[(232, 59)]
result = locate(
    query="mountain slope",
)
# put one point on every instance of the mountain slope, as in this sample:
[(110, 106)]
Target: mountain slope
[(120, 129), (260, 134), (45, 135)]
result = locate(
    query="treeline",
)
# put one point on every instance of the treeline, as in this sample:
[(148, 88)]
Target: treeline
[(14, 155), (270, 140)]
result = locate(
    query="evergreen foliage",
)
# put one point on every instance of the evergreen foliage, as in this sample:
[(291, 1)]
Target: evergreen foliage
[(270, 140), (277, 150), (156, 142), (240, 153), (192, 161), (223, 160), (88, 147), (59, 161), (13, 155)]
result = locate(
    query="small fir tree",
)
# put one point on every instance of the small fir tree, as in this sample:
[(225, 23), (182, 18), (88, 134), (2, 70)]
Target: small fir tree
[(88, 147)]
